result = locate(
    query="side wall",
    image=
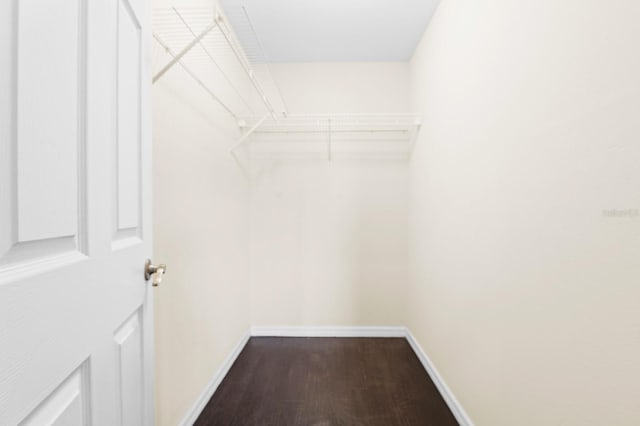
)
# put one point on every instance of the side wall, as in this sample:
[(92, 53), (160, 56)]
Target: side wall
[(525, 190), (329, 240), (201, 204)]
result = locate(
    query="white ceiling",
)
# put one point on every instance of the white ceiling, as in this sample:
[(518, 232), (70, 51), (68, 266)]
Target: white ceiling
[(329, 30)]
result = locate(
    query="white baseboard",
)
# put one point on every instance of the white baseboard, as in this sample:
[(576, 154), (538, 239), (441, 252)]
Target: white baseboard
[(454, 405), (195, 410), (328, 331)]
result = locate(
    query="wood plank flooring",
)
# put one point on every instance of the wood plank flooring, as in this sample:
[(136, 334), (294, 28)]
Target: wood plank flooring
[(326, 381)]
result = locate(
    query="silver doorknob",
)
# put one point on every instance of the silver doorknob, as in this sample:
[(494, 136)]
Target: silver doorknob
[(157, 271)]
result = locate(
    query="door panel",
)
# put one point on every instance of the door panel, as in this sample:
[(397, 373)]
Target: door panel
[(129, 135), (52, 111), (128, 340), (43, 217), (68, 405), (75, 310)]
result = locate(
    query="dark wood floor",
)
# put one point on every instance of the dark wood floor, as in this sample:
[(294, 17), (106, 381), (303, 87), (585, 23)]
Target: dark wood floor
[(326, 381)]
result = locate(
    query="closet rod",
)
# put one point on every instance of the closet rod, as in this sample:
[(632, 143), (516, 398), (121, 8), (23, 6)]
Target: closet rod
[(183, 52), (194, 76), (260, 132), (394, 115), (244, 65), (334, 142)]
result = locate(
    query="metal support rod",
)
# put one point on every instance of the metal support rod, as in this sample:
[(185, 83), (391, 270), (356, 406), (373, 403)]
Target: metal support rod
[(414, 136), (329, 144), (195, 77), (206, 51), (245, 173), (184, 51), (246, 135), (266, 59), (245, 67)]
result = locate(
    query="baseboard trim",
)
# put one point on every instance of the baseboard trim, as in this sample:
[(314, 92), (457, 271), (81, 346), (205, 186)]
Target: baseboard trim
[(195, 410), (327, 331), (454, 405)]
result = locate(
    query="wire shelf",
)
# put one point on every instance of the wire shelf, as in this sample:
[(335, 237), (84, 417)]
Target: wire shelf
[(331, 135), (203, 44)]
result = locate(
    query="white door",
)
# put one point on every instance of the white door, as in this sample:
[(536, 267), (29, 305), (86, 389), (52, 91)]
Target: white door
[(75, 310)]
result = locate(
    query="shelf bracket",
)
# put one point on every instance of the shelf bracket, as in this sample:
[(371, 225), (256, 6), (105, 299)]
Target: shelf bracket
[(329, 144), (184, 51), (195, 77), (246, 135), (414, 135)]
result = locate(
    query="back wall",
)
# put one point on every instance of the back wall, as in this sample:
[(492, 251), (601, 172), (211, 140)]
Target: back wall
[(329, 240)]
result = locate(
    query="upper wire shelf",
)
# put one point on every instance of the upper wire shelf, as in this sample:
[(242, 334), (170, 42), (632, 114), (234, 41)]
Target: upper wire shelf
[(202, 43)]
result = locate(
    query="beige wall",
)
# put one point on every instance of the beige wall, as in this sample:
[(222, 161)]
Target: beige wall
[(201, 204), (343, 87), (329, 240), (329, 244), (523, 286), (525, 292)]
